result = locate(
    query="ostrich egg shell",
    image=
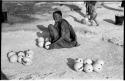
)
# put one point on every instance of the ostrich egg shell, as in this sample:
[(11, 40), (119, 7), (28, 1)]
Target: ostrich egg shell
[(13, 58), (41, 44), (19, 59), (87, 61), (97, 67), (78, 60), (10, 53), (47, 44), (21, 53), (29, 55), (101, 62), (78, 67), (88, 68), (27, 61)]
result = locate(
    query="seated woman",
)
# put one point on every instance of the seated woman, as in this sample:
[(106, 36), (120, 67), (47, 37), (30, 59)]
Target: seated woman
[(62, 34)]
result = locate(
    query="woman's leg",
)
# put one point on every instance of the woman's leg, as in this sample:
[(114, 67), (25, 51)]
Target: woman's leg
[(54, 35), (93, 18), (96, 22)]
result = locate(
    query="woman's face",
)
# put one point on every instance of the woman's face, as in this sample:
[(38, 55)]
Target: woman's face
[(57, 17)]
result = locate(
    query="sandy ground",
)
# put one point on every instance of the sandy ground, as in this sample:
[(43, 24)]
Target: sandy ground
[(56, 64)]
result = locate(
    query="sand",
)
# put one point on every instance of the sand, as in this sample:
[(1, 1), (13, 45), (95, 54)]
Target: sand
[(57, 63)]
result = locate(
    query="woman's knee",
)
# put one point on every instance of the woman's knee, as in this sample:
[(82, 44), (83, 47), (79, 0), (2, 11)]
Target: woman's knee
[(53, 31), (50, 26)]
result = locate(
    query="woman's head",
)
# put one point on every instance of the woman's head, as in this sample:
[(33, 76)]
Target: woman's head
[(57, 16)]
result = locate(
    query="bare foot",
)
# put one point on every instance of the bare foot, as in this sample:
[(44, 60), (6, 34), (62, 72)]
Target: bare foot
[(90, 24), (97, 25)]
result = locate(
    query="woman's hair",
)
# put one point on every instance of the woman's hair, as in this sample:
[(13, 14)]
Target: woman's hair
[(58, 12)]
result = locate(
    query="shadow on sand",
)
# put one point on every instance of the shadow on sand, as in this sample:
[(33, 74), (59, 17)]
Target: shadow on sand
[(70, 63), (75, 19), (3, 76), (105, 6), (72, 7), (44, 30), (109, 21), (75, 8)]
